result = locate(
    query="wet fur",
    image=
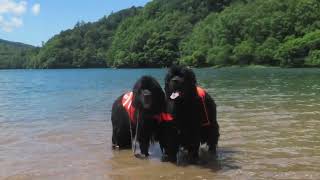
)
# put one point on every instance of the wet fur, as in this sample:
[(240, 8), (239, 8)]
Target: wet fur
[(148, 125), (187, 130)]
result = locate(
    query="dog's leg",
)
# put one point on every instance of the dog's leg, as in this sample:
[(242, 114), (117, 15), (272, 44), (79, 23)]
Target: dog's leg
[(193, 155), (114, 140), (169, 143), (144, 148), (144, 143), (212, 131), (213, 137)]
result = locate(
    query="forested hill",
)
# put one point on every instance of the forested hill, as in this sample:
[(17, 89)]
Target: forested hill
[(13, 55), (192, 32), (267, 32), (134, 37), (15, 44), (84, 46)]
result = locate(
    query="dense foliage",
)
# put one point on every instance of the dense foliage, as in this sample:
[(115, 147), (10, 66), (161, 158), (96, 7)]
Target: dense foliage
[(267, 32), (14, 55), (152, 38), (192, 32), (84, 46)]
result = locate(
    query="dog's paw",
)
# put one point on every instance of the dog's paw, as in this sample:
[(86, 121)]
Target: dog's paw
[(141, 156), (115, 147), (167, 158), (164, 158)]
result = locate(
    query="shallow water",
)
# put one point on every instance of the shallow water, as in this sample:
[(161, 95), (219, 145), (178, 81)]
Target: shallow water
[(55, 124)]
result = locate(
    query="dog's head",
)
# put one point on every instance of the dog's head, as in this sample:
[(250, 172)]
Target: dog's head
[(148, 95), (180, 83)]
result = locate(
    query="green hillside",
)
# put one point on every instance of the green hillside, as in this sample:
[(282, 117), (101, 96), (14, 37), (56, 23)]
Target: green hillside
[(84, 46), (192, 32), (152, 38), (14, 55), (134, 37), (264, 32)]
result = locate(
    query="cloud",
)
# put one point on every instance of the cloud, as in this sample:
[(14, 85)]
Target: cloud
[(8, 25), (36, 9), (12, 11), (13, 7)]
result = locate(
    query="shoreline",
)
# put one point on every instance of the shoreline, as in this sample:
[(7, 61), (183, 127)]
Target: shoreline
[(205, 67)]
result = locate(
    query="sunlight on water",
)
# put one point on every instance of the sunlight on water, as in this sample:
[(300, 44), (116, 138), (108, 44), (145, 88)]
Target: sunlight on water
[(55, 124)]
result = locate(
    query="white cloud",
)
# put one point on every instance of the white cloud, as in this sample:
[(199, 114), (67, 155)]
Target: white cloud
[(8, 25), (13, 7), (12, 11), (36, 9)]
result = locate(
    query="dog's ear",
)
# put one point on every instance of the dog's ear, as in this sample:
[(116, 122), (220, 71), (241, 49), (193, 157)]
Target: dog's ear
[(167, 80), (191, 81), (190, 77), (160, 97), (170, 73), (136, 90)]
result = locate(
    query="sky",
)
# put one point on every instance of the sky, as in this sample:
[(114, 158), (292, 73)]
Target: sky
[(36, 21)]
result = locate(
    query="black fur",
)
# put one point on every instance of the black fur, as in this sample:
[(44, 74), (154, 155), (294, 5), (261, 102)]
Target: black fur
[(147, 124), (189, 115)]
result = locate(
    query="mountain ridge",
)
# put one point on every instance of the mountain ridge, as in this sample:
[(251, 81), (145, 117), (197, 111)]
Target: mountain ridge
[(14, 43)]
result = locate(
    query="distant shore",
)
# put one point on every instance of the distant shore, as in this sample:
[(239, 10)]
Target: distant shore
[(205, 67)]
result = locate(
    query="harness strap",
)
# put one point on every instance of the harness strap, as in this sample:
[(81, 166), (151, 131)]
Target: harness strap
[(136, 135), (166, 117), (127, 104), (202, 94)]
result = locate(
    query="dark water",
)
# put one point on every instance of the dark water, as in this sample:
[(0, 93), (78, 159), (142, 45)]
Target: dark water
[(55, 124)]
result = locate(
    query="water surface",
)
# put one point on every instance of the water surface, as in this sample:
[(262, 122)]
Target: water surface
[(55, 124)]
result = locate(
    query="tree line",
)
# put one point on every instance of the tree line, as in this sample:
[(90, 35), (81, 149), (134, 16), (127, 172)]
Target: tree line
[(191, 32), (14, 55)]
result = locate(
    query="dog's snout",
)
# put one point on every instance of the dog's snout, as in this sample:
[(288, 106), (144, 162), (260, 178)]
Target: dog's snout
[(176, 79), (146, 92), (146, 98), (176, 82)]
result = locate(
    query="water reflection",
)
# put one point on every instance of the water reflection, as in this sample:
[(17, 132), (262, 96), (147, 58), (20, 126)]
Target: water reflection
[(56, 125), (125, 166)]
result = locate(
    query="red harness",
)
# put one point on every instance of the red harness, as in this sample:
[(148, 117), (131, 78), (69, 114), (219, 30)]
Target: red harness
[(166, 117), (127, 104), (202, 94)]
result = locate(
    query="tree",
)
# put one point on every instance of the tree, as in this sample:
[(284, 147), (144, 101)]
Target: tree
[(313, 58), (244, 52)]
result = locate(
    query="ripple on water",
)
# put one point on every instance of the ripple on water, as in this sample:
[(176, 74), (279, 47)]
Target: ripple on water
[(55, 124)]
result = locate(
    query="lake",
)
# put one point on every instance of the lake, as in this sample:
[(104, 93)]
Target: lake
[(55, 124)]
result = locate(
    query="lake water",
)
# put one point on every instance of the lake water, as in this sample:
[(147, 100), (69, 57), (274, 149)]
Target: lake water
[(55, 124)]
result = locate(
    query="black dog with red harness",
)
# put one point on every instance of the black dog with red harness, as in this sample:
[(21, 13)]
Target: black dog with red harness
[(194, 116), (137, 115)]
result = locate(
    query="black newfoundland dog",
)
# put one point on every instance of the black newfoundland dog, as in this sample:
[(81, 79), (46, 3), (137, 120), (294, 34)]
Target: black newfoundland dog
[(136, 115), (194, 116)]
